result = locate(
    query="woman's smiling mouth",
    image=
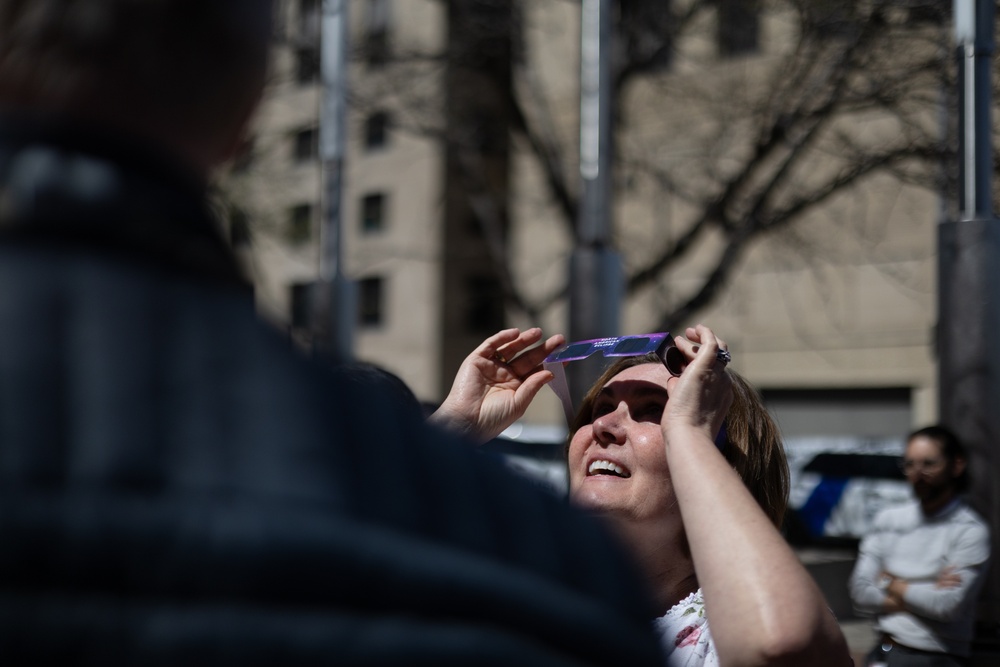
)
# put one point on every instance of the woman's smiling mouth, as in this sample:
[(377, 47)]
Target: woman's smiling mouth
[(604, 467)]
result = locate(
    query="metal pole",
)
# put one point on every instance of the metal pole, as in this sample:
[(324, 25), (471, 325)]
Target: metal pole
[(596, 283), (974, 44), (333, 298), (969, 285)]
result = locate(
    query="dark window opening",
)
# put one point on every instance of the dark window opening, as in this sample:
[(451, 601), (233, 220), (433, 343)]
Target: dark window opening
[(373, 212), (376, 41), (646, 33), (300, 223), (307, 65), (306, 146), (310, 19), (376, 129), (738, 27), (489, 135), (931, 13), (830, 18), (484, 306), (370, 301)]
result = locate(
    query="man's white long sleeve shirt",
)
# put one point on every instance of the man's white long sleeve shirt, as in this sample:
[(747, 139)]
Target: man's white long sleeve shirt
[(909, 545)]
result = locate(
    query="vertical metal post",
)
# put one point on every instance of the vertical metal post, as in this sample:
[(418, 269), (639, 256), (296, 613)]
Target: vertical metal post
[(333, 298), (596, 282), (969, 285), (975, 46)]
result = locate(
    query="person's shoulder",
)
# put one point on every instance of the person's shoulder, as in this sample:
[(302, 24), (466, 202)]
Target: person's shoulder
[(967, 516), (897, 517)]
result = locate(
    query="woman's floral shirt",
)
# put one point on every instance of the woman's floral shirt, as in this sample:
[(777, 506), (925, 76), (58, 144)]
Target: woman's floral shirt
[(685, 636)]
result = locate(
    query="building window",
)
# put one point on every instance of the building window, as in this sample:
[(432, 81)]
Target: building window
[(829, 18), (932, 13), (371, 294), (376, 42), (376, 130), (738, 28), (484, 308), (306, 65), (300, 223), (373, 212), (645, 33), (310, 20), (305, 145), (488, 134)]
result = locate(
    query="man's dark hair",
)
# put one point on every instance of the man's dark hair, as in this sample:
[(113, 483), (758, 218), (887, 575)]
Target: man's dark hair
[(193, 64)]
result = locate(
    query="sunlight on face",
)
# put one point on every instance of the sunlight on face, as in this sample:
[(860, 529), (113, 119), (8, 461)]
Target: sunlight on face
[(617, 463)]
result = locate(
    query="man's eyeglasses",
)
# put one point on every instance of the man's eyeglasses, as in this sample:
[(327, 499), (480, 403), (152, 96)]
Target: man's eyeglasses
[(926, 465)]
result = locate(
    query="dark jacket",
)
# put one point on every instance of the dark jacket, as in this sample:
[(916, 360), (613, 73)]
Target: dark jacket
[(178, 486)]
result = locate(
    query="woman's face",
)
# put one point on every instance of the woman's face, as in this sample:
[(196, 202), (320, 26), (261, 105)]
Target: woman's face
[(617, 463)]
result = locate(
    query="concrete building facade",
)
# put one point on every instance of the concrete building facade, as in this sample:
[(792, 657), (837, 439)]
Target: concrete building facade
[(831, 315)]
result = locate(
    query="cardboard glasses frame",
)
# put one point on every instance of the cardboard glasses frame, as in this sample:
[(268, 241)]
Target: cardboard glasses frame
[(662, 344)]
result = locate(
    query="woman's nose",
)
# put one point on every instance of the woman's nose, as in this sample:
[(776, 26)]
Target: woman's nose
[(609, 427)]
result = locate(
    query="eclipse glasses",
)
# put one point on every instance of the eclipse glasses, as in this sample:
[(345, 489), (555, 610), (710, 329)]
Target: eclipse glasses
[(624, 346), (662, 344)]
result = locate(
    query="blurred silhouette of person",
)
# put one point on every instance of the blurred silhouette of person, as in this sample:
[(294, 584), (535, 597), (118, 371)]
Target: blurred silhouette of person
[(369, 376), (178, 485), (920, 568)]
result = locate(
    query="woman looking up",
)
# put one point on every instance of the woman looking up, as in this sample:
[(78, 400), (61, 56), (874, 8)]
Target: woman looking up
[(701, 522)]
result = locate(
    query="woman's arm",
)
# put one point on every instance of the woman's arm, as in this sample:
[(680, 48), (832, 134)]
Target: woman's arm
[(763, 606), (496, 384)]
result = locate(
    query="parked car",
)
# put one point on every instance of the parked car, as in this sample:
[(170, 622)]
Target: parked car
[(838, 486)]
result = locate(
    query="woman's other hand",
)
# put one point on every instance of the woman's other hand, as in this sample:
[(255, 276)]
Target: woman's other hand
[(496, 383)]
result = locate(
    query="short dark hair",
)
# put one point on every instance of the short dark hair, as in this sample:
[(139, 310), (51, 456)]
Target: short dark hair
[(197, 64), (951, 448)]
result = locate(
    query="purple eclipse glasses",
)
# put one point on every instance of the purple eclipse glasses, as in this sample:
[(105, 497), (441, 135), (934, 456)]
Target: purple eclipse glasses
[(616, 346), (662, 344), (624, 346)]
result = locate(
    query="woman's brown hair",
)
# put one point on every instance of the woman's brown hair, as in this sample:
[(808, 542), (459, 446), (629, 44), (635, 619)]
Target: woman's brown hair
[(752, 445)]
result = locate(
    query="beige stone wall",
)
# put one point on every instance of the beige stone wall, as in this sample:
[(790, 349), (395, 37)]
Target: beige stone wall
[(845, 298)]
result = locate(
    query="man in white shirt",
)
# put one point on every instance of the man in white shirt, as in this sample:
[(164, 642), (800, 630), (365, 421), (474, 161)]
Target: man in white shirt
[(919, 570)]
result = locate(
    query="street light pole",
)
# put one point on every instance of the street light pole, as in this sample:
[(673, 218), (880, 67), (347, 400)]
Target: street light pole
[(596, 283), (333, 298), (969, 284)]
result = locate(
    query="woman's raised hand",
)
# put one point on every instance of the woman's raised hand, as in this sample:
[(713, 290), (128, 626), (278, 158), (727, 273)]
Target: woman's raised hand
[(496, 383), (702, 394)]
